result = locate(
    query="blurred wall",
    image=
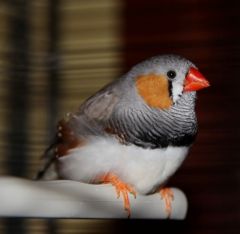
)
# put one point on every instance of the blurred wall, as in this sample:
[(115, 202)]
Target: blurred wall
[(54, 54)]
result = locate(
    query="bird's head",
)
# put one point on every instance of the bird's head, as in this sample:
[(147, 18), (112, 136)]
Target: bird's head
[(162, 80)]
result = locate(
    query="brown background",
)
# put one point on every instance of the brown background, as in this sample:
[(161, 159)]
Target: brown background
[(206, 32)]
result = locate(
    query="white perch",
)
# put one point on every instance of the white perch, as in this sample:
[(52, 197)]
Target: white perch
[(71, 199)]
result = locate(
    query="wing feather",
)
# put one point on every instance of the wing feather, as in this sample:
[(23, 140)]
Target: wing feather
[(100, 106), (93, 115)]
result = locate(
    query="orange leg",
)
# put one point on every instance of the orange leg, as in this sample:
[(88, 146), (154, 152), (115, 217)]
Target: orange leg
[(121, 189), (168, 196)]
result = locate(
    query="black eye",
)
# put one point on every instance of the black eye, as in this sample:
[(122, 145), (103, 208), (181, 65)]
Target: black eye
[(171, 74)]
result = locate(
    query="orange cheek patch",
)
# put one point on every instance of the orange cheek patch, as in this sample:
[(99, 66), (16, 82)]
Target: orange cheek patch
[(154, 90)]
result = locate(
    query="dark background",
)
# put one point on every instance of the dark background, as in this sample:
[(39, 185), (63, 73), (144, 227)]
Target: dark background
[(206, 32)]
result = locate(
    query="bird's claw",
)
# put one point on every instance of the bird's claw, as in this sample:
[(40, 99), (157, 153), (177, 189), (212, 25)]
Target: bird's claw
[(121, 189), (168, 196)]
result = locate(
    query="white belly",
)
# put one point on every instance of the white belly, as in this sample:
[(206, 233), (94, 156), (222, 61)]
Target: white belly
[(143, 168)]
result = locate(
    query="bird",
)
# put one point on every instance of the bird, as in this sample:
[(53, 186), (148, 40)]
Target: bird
[(134, 133)]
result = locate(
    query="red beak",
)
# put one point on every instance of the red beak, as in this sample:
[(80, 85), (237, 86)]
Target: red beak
[(195, 81)]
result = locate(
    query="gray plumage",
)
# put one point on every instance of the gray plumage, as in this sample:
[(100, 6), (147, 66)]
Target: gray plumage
[(131, 118)]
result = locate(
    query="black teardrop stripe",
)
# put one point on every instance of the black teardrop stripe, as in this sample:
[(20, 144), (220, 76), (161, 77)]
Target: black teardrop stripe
[(170, 88)]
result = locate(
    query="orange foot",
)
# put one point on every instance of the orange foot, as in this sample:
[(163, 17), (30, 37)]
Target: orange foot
[(121, 189), (167, 196)]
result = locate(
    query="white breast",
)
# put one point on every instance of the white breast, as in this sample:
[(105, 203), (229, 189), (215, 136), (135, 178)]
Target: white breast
[(143, 168)]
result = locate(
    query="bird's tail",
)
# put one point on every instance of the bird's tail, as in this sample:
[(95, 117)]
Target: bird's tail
[(48, 170)]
